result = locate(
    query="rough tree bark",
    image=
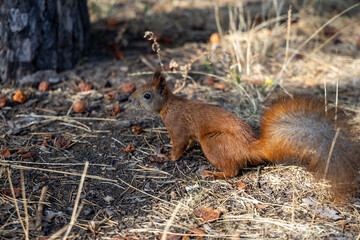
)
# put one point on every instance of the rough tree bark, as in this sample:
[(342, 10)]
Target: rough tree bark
[(41, 34)]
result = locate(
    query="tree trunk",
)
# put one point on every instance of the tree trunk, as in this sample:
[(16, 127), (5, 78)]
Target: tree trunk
[(41, 34)]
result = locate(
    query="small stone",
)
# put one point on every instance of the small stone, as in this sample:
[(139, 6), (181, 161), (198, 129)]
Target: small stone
[(123, 97), (123, 123)]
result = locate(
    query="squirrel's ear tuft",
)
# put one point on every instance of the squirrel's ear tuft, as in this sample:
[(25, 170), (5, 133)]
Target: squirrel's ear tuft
[(158, 79)]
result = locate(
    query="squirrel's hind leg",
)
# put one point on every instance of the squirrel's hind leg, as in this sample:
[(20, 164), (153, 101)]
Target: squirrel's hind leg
[(225, 152)]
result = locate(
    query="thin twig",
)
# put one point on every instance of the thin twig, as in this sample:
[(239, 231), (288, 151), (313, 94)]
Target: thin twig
[(56, 171), (40, 209), (77, 199), (25, 204), (16, 204)]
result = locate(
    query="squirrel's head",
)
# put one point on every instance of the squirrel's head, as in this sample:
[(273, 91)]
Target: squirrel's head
[(151, 96)]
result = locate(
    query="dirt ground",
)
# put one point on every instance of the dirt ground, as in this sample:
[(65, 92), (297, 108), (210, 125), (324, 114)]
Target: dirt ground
[(132, 194)]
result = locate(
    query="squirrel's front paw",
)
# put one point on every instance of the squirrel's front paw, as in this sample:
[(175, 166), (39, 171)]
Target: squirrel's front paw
[(207, 174), (213, 175), (167, 157), (164, 156)]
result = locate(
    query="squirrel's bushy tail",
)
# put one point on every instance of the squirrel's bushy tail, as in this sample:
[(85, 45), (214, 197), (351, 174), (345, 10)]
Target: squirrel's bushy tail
[(299, 130)]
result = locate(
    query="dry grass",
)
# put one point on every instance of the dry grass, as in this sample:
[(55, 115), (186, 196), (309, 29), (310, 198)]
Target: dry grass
[(281, 202)]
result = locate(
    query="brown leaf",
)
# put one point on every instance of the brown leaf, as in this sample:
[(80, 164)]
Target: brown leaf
[(21, 151), (329, 31), (28, 155), (342, 224), (172, 236), (83, 86), (116, 110), (3, 101), (214, 38), (19, 97), (128, 87), (5, 152), (150, 165), (110, 96), (44, 86), (137, 130), (197, 231), (241, 186), (220, 85), (44, 143), (208, 214), (112, 22), (8, 192), (129, 149), (210, 81), (156, 159), (62, 143)]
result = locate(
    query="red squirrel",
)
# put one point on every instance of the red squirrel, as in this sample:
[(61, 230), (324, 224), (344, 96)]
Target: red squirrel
[(295, 130)]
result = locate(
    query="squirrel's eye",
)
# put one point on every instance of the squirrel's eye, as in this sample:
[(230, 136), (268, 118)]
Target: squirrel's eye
[(147, 96)]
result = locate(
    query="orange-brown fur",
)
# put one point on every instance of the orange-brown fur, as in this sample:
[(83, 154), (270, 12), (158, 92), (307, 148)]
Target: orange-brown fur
[(293, 130)]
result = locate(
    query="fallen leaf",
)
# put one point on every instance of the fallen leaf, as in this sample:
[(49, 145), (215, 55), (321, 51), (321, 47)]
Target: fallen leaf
[(110, 96), (19, 97), (241, 186), (172, 236), (3, 101), (129, 149), (62, 143), (195, 231), (150, 165), (210, 81), (44, 86), (214, 38), (5, 153), (128, 87), (342, 224), (28, 155), (21, 151), (220, 85), (44, 143), (8, 192), (156, 159), (137, 130), (116, 110), (83, 86), (268, 82), (208, 214), (112, 22), (329, 31)]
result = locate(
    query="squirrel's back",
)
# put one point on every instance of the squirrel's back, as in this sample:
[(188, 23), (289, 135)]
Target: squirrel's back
[(299, 130)]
